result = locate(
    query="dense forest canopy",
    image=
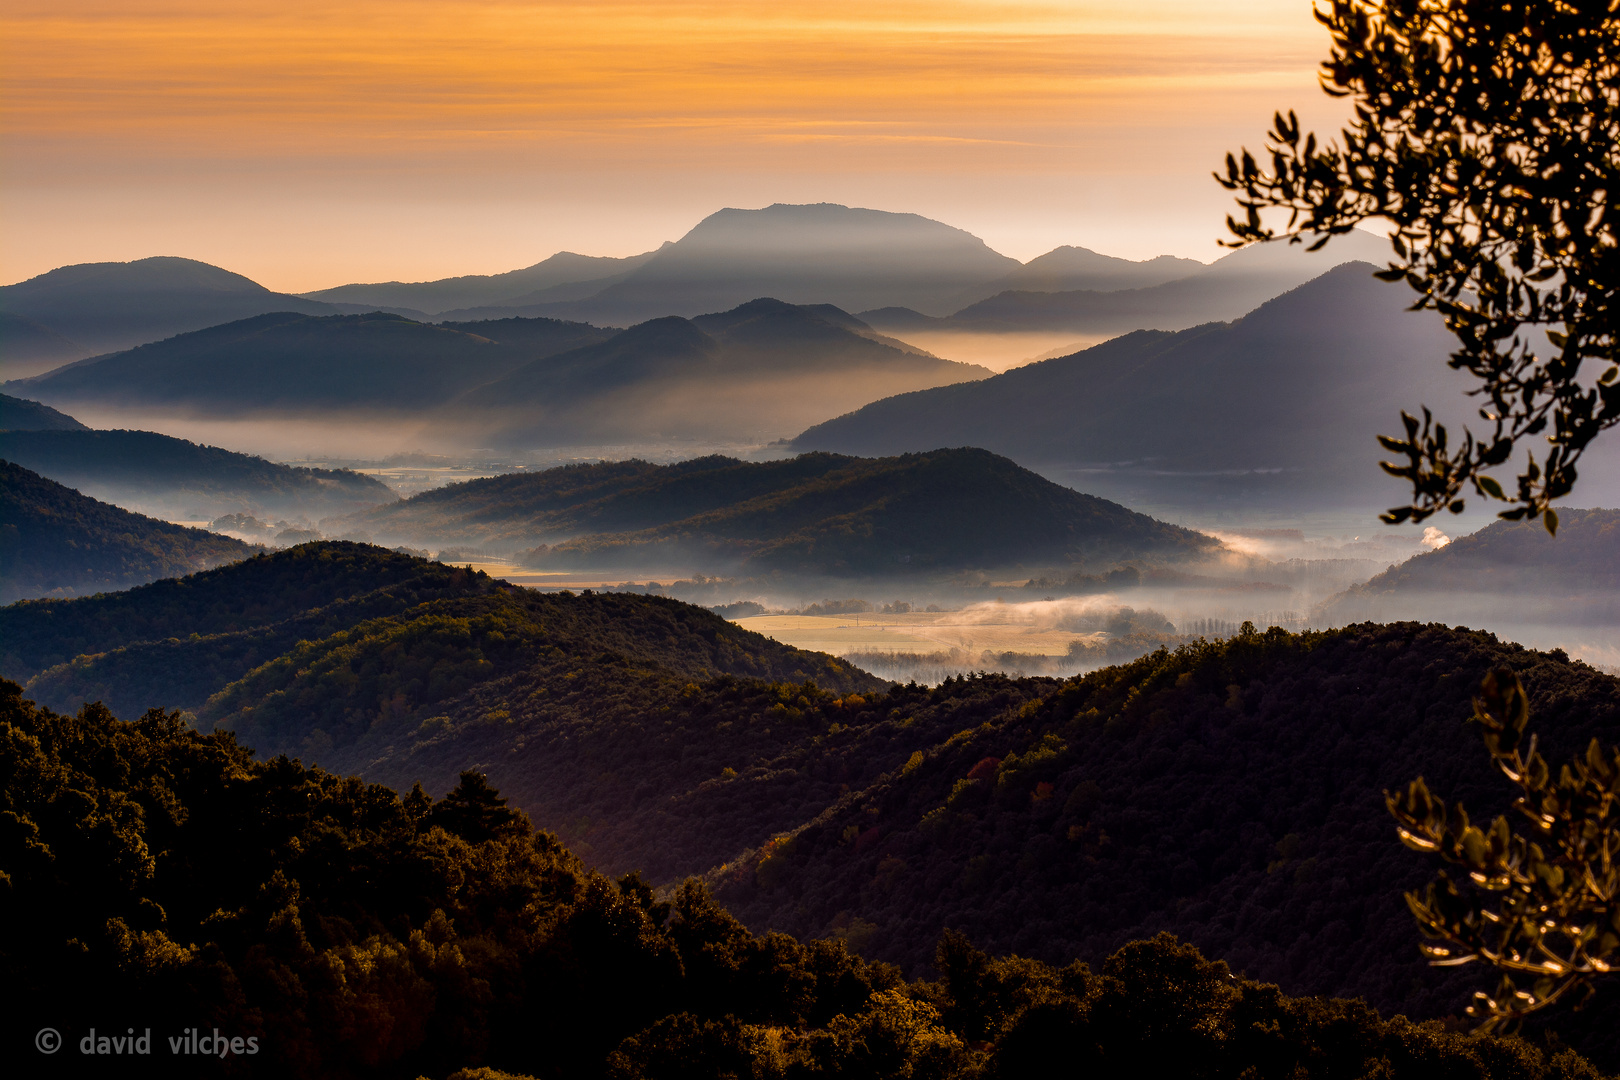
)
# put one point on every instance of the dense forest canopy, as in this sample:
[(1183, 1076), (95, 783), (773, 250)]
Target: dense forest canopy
[(327, 928), (55, 541)]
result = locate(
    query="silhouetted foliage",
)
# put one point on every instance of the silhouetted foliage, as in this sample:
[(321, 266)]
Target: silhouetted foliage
[(1543, 910), (1487, 134)]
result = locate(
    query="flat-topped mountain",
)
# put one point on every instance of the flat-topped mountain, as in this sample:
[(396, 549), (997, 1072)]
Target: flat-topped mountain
[(57, 542), (169, 477), (817, 514), (1284, 402), (815, 254)]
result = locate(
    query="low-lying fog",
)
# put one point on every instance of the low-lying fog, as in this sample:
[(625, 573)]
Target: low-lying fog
[(1284, 564)]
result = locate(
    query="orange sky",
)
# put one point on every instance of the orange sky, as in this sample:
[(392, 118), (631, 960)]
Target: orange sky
[(310, 144)]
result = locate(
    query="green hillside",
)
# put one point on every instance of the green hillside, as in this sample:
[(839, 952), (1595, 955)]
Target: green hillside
[(179, 642), (1230, 793), (327, 928), (147, 469), (816, 513), (57, 542)]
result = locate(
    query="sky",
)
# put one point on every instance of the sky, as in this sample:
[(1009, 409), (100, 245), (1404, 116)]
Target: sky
[(311, 144)]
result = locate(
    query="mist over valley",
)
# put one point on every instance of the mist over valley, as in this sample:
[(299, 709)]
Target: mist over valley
[(822, 572)]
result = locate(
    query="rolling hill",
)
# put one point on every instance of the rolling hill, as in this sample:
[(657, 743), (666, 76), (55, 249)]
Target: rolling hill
[(813, 514), (105, 307), (759, 372), (1230, 793), (173, 478), (1508, 573), (333, 928), (1281, 405), (181, 642), (285, 361), (28, 348), (57, 542), (754, 373), (19, 414), (1163, 294), (564, 276)]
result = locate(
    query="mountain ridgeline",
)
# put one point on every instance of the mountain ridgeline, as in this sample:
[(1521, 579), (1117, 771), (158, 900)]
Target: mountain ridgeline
[(1281, 405), (1508, 572), (57, 542), (19, 414), (1228, 792), (160, 475), (945, 510), (760, 371), (328, 928)]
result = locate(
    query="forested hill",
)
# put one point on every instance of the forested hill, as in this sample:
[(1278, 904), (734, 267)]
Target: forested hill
[(19, 414), (1231, 793), (817, 513), (57, 542), (327, 928), (1282, 403), (186, 480), (267, 589), (1513, 566), (439, 630)]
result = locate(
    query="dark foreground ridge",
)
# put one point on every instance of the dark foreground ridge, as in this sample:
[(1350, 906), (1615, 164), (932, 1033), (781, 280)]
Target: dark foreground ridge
[(322, 927)]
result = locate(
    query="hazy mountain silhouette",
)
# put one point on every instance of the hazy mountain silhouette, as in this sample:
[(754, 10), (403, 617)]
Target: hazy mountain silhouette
[(816, 254), (108, 306), (57, 542), (757, 372), (564, 276), (814, 514), (1508, 573), (1285, 400), (1069, 269), (19, 414), (290, 362), (1224, 290), (28, 348), (169, 477)]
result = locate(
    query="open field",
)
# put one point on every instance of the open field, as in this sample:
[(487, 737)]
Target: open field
[(974, 629)]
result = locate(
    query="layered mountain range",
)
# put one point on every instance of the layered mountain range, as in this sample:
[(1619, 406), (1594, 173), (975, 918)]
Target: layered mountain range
[(1282, 404), (1230, 793), (819, 514), (761, 371)]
